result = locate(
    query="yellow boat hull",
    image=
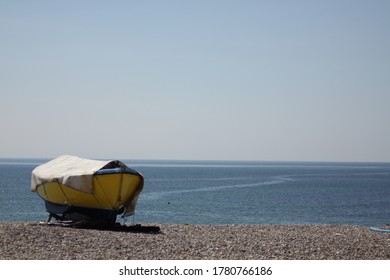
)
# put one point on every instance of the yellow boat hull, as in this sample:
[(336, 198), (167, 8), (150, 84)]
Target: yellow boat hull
[(77, 189), (112, 193)]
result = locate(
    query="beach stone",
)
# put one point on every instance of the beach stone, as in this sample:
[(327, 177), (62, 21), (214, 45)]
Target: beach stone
[(35, 241)]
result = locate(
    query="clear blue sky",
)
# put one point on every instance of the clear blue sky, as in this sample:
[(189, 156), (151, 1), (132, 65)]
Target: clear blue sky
[(240, 80)]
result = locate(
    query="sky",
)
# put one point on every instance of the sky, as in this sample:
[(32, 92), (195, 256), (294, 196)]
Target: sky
[(196, 80)]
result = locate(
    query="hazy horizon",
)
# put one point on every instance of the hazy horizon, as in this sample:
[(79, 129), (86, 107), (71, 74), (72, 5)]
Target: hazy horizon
[(195, 161), (196, 80)]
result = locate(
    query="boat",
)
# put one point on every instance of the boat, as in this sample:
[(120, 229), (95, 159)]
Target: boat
[(83, 190)]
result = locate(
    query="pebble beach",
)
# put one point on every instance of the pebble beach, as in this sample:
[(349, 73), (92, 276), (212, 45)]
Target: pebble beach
[(36, 241)]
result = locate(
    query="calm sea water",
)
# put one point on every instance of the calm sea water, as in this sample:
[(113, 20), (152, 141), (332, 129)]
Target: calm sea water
[(231, 192)]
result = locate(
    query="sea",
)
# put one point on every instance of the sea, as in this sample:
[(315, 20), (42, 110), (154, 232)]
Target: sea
[(230, 192)]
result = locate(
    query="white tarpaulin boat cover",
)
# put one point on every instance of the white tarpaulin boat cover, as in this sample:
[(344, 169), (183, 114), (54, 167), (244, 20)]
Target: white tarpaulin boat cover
[(68, 170)]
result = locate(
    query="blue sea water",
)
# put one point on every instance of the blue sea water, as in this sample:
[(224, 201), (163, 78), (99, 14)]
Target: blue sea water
[(211, 192)]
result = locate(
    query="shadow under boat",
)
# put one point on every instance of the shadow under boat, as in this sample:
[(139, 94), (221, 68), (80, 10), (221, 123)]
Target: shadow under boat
[(118, 227)]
